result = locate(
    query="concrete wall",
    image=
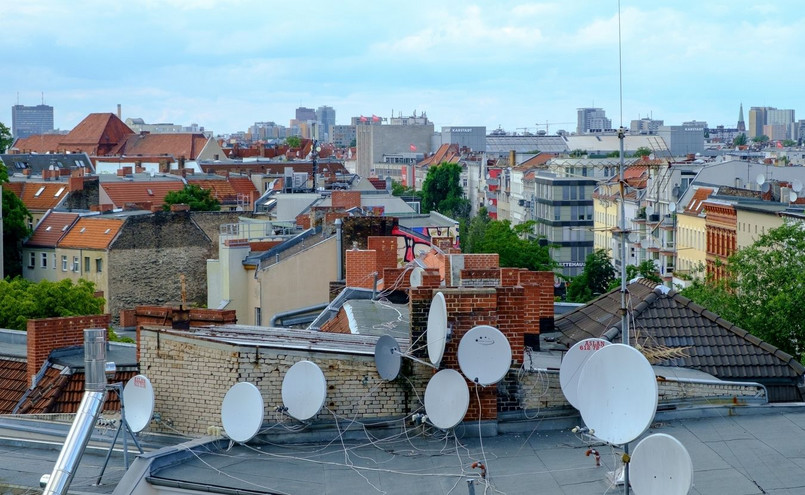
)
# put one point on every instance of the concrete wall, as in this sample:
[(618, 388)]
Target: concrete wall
[(191, 377), (294, 282)]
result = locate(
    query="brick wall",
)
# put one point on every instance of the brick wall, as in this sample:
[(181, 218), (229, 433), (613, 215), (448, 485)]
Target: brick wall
[(481, 261), (339, 324), (386, 248), (480, 278), (344, 200), (47, 334), (361, 265), (191, 377)]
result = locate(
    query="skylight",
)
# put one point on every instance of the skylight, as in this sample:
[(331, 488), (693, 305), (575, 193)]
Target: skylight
[(48, 228), (41, 189), (82, 230), (107, 231), (61, 190), (150, 192)]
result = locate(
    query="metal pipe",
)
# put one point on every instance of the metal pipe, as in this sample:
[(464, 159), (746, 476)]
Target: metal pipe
[(84, 423), (339, 248)]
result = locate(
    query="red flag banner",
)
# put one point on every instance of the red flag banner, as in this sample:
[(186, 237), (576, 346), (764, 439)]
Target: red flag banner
[(412, 147), (375, 118), (363, 119)]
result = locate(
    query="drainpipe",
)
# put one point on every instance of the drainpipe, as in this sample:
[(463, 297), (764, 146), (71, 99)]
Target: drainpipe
[(58, 482), (339, 245)]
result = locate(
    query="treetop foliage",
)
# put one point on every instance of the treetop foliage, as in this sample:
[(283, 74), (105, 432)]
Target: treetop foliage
[(484, 235), (197, 198), (21, 300), (442, 191)]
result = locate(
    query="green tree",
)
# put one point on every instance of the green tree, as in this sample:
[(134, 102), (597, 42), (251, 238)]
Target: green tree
[(760, 139), (789, 143), (642, 151), (16, 218), (740, 140), (596, 278), (645, 269), (398, 189), (578, 153), (484, 235), (442, 191), (21, 300), (763, 289), (5, 138), (197, 198), (293, 142)]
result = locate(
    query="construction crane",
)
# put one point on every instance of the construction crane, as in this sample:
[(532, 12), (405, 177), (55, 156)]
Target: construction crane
[(549, 124)]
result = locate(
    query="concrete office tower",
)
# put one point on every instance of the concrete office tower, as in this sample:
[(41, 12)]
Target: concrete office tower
[(470, 137), (403, 135), (592, 119), (325, 116), (30, 121), (304, 114)]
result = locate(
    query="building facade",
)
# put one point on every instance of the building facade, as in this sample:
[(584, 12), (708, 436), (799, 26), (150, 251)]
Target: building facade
[(31, 120), (592, 120)]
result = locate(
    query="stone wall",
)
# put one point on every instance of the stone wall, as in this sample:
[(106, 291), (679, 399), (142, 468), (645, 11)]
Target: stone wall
[(149, 256), (191, 376)]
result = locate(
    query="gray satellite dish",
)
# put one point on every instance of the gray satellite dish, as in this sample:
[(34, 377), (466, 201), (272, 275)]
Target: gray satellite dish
[(437, 329), (796, 185), (388, 357), (617, 394), (572, 363), (661, 465), (792, 197), (304, 390), (415, 278), (765, 187), (242, 412), (760, 179), (447, 398), (484, 355), (672, 207), (138, 399)]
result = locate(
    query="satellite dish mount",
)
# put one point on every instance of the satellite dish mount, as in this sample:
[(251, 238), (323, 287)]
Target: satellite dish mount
[(123, 423)]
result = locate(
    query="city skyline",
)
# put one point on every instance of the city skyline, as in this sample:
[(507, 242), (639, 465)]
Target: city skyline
[(227, 64)]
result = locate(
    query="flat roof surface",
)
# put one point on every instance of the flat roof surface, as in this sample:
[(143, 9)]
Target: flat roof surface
[(731, 453)]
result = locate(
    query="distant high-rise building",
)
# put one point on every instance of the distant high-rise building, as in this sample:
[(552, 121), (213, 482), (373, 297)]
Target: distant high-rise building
[(30, 121), (304, 114), (757, 119), (592, 119), (326, 117), (645, 126), (741, 123), (762, 116)]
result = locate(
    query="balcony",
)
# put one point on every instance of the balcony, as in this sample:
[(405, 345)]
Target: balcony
[(668, 248)]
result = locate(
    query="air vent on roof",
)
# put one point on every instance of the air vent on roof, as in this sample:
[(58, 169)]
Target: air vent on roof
[(48, 228), (107, 231), (82, 230), (150, 192)]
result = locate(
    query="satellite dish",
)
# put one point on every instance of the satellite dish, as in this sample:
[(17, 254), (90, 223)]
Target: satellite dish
[(387, 357), (242, 412), (138, 400), (416, 277), (447, 398), (304, 389), (672, 207), (796, 185), (437, 329), (760, 179), (617, 393), (572, 363), (792, 197), (661, 465), (484, 355), (649, 210), (766, 187)]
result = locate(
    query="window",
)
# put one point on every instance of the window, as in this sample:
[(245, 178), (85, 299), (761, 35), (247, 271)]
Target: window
[(98, 265), (31, 260), (64, 263), (86, 264), (54, 261), (76, 266), (257, 317), (44, 260)]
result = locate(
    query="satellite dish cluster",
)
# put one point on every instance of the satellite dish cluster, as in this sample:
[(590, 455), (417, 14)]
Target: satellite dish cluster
[(484, 357), (615, 389)]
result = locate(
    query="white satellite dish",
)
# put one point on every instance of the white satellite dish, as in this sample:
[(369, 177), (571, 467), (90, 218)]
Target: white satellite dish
[(437, 329), (242, 412), (617, 394), (760, 179), (792, 197), (765, 187), (661, 465), (138, 401), (447, 398), (415, 278), (304, 390), (572, 363), (649, 210), (388, 357), (484, 355), (796, 185), (672, 207)]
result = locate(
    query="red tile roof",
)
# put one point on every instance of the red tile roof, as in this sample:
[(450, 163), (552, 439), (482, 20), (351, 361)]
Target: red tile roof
[(92, 233), (62, 393), (186, 144), (41, 143), (697, 201), (41, 196), (447, 153), (98, 133), (13, 383), (51, 228), (140, 193), (226, 190), (536, 160)]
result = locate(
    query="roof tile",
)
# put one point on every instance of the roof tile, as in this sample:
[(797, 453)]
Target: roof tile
[(92, 233)]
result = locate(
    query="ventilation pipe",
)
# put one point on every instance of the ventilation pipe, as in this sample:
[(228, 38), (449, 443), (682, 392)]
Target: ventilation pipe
[(58, 482), (339, 248)]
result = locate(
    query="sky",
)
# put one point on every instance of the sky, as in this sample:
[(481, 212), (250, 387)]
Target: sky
[(522, 66)]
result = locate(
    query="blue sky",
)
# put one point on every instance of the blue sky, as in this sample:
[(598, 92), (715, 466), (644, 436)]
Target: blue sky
[(226, 64)]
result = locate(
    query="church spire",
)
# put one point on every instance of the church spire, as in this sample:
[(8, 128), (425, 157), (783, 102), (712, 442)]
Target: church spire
[(741, 123)]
